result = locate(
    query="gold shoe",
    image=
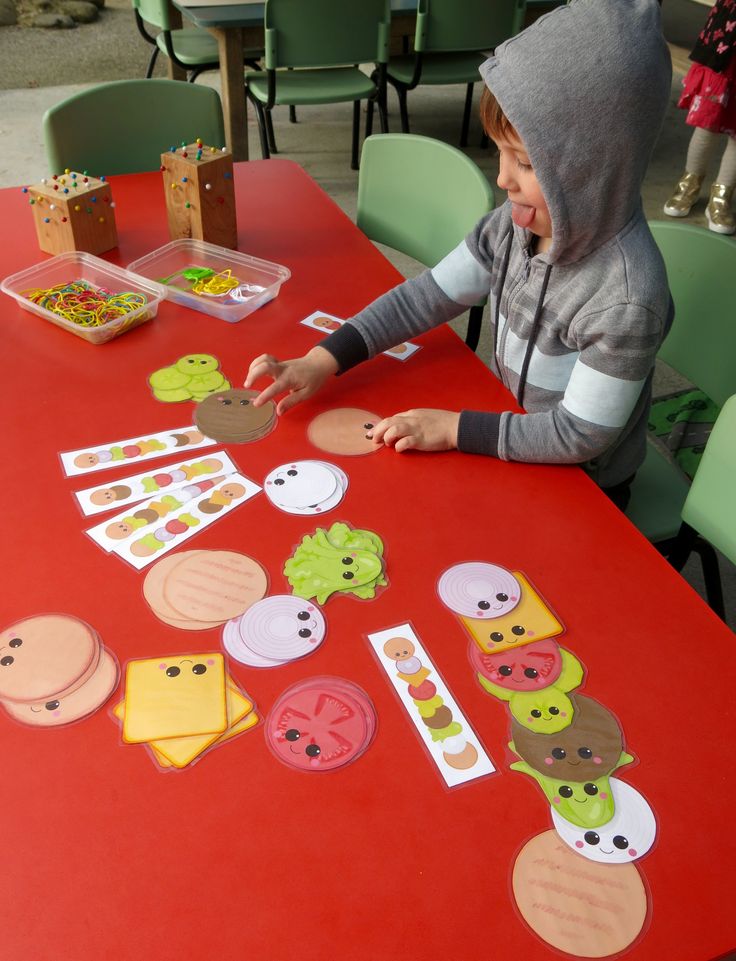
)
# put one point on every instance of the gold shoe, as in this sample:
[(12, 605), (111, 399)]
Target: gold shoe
[(718, 212), (685, 195)]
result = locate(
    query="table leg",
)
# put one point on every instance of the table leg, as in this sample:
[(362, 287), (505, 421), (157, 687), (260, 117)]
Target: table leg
[(172, 71), (230, 44)]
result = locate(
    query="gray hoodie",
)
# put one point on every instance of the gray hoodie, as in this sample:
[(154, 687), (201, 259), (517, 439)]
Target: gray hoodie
[(576, 329)]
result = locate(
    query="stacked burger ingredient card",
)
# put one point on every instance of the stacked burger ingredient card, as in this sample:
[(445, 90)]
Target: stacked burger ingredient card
[(181, 706)]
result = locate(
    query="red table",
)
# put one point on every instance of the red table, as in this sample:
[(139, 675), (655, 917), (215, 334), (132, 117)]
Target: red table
[(241, 857)]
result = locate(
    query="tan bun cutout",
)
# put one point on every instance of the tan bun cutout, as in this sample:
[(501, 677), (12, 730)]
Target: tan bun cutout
[(214, 585), (462, 761), (155, 582), (343, 430), (587, 909), (85, 700)]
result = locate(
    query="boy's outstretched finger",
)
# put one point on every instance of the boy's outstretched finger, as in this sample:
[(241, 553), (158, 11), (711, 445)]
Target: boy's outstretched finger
[(379, 429), (293, 398), (265, 364)]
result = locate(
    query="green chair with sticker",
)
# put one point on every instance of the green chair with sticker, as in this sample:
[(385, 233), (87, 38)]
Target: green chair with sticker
[(313, 53), (451, 40), (421, 196), (701, 346), (124, 126), (709, 511)]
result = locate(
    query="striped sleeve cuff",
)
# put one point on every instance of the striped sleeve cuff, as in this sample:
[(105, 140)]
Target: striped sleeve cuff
[(347, 347), (477, 432)]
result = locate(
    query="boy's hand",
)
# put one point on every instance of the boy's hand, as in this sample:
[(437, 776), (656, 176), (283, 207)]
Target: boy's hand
[(424, 429), (301, 377)]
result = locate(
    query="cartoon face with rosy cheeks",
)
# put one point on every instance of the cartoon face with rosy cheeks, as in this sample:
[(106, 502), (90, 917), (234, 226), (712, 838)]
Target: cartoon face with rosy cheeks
[(326, 322), (587, 805), (45, 656), (527, 668), (231, 491), (544, 711), (588, 747), (119, 530), (398, 648), (627, 836), (85, 461), (63, 709), (480, 590), (318, 729)]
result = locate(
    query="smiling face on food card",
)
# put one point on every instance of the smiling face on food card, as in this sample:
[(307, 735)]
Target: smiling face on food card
[(174, 697), (45, 655), (529, 621)]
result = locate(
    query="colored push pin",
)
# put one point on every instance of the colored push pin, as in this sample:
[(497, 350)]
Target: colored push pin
[(55, 177), (56, 186), (102, 220), (187, 205), (74, 176), (67, 170), (89, 210), (184, 179), (24, 190), (63, 220), (184, 153), (52, 206), (44, 180), (227, 175), (112, 203), (77, 207), (174, 185), (94, 200), (103, 180), (32, 200), (66, 190), (172, 149), (208, 186), (47, 220), (223, 150), (199, 141), (162, 168)]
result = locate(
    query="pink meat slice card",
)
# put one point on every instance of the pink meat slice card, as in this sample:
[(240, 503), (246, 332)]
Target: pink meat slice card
[(138, 487), (326, 323), (115, 453), (450, 740)]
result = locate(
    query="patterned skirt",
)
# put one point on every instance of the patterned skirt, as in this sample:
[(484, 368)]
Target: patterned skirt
[(710, 98)]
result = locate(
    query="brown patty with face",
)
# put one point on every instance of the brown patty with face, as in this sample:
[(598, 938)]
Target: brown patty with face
[(230, 417), (586, 749)]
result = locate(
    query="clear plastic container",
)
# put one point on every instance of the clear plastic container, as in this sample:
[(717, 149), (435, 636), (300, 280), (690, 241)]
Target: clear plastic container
[(73, 266), (258, 280)]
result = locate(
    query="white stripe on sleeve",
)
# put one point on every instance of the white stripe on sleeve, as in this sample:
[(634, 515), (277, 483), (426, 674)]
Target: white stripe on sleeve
[(461, 277), (600, 398)]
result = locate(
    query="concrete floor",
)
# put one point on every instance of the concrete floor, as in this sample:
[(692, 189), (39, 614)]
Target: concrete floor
[(36, 60)]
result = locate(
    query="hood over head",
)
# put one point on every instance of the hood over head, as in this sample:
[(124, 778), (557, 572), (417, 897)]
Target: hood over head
[(586, 88)]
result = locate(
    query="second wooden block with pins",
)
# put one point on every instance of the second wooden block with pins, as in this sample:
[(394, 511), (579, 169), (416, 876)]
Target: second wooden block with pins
[(200, 198)]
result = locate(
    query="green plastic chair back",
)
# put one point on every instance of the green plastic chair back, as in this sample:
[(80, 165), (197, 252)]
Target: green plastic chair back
[(418, 195), (445, 26), (710, 507), (326, 33), (155, 12), (124, 126), (701, 266), (701, 346)]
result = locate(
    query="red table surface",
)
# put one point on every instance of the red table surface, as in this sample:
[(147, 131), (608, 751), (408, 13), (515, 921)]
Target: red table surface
[(241, 857)]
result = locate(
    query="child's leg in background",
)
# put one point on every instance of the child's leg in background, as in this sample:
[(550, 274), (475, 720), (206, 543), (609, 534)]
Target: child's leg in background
[(718, 213), (702, 145)]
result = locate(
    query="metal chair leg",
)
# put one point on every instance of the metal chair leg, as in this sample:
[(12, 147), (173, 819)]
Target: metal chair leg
[(369, 118), (292, 114), (681, 547), (260, 115), (475, 320), (403, 111), (152, 63), (269, 131), (466, 116), (712, 577), (356, 135)]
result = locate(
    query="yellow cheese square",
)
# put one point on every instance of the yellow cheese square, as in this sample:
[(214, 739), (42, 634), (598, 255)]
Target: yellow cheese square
[(531, 620), (181, 751), (169, 697)]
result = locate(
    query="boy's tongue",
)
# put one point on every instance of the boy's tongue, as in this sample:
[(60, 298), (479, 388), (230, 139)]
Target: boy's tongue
[(522, 215)]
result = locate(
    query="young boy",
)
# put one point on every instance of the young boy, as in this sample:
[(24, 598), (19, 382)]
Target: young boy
[(579, 301)]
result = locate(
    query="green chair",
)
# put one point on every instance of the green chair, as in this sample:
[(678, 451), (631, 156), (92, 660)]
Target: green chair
[(452, 39), (191, 48), (702, 347), (709, 512), (421, 197), (124, 126), (312, 52)]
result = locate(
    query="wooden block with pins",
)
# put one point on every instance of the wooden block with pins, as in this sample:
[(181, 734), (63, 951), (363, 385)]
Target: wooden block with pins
[(200, 198), (73, 211)]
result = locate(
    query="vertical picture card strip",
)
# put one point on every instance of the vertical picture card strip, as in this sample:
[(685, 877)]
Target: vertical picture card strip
[(445, 731), (152, 482), (120, 453), (147, 544)]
